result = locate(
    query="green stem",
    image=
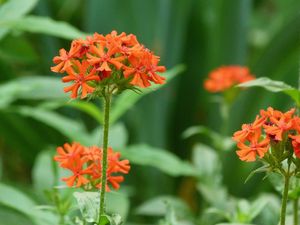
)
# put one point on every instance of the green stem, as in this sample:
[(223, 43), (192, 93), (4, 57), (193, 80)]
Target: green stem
[(107, 101), (225, 107), (295, 206), (285, 195)]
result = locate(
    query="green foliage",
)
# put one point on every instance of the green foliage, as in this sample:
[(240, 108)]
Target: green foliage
[(203, 35), (21, 203), (127, 100), (88, 203), (218, 141), (163, 160), (12, 10), (160, 205), (44, 25), (274, 86)]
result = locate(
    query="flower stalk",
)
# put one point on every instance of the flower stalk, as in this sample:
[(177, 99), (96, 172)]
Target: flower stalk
[(285, 195), (107, 102), (295, 208)]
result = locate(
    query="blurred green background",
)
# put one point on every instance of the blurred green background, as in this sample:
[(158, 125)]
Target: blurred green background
[(200, 34)]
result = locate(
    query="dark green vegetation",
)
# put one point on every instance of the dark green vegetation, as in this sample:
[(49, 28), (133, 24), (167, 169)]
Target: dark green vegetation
[(202, 35)]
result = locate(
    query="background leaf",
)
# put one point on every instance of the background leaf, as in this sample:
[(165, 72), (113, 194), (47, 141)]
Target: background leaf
[(44, 25), (163, 160)]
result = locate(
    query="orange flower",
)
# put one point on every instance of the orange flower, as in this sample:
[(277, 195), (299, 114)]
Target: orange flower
[(102, 59), (277, 126), (226, 77), (76, 165), (85, 73), (85, 165), (296, 145), (279, 123), (64, 60), (68, 152), (115, 166), (255, 148), (143, 69), (248, 130), (112, 57)]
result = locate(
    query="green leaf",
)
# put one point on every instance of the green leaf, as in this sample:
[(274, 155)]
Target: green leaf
[(261, 169), (118, 204), (172, 218), (88, 203), (127, 99), (44, 25), (89, 108), (118, 136), (234, 224), (11, 217), (209, 167), (163, 160), (31, 87), (18, 201), (208, 164), (70, 128), (12, 10), (42, 172), (218, 141), (274, 86), (257, 206), (115, 219), (15, 199), (158, 206)]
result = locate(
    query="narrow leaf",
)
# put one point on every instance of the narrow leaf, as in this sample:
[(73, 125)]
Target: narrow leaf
[(44, 25), (261, 169)]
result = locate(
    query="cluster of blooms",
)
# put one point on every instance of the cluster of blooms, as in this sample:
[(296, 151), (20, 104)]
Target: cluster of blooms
[(270, 127), (226, 77), (90, 61), (85, 165)]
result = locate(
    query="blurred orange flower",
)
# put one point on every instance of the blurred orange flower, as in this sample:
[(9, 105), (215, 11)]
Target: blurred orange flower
[(225, 77)]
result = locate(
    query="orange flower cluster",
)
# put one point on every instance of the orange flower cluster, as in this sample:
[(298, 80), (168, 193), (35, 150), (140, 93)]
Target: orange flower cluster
[(85, 165), (255, 139), (226, 77), (90, 61)]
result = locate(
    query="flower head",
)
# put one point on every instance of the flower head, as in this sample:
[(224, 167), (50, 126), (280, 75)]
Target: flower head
[(85, 166), (225, 77), (269, 128), (113, 58)]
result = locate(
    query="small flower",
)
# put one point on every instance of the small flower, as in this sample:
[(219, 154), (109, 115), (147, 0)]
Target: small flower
[(85, 73), (64, 60), (249, 130), (143, 68), (255, 148), (280, 123), (68, 152), (225, 77), (76, 165)]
